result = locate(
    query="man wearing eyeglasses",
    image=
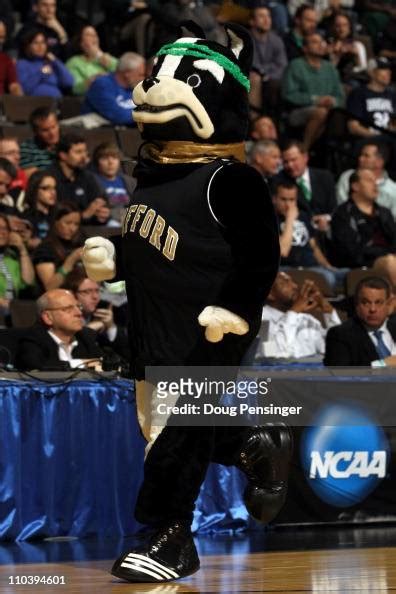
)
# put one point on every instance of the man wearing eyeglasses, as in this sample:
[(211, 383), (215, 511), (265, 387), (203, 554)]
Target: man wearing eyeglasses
[(97, 314), (58, 340)]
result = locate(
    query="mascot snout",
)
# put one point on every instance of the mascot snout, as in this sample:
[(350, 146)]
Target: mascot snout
[(161, 99)]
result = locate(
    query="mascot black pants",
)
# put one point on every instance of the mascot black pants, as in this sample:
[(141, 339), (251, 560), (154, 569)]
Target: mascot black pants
[(175, 469)]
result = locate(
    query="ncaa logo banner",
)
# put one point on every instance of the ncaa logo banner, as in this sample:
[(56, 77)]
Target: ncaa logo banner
[(344, 464)]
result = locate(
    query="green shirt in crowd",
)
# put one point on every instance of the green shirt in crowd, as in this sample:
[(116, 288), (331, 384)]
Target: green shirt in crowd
[(34, 155), (83, 69), (14, 268), (302, 84)]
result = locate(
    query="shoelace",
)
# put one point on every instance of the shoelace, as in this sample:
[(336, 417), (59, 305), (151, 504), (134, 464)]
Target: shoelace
[(159, 542)]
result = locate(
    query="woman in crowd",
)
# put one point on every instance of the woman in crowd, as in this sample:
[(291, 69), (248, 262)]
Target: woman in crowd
[(16, 268), (347, 54), (57, 255), (40, 72), (90, 63), (40, 200)]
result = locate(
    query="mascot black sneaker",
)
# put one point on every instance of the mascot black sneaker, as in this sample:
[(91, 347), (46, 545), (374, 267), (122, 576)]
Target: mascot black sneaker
[(169, 555), (264, 459)]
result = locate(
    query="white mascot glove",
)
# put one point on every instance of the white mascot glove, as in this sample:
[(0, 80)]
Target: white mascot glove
[(98, 259), (219, 321)]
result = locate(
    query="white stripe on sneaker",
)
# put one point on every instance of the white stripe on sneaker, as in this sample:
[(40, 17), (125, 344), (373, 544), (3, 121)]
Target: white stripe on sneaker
[(142, 570), (153, 563), (145, 562)]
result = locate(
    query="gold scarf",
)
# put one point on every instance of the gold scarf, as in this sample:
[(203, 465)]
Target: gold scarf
[(173, 152)]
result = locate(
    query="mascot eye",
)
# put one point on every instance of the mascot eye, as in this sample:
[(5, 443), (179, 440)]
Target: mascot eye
[(194, 80)]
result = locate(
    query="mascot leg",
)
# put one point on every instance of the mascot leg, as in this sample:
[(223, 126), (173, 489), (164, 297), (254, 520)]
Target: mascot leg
[(174, 471)]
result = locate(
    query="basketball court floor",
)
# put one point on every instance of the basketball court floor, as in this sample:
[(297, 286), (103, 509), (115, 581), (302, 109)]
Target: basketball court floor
[(288, 560)]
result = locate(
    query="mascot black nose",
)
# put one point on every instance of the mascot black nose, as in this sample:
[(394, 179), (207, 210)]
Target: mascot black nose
[(149, 82)]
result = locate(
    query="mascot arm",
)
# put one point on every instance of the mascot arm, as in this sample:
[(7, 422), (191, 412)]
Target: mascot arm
[(241, 203), (99, 258)]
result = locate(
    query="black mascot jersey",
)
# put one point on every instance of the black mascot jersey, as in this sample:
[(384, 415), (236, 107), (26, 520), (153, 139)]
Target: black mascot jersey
[(175, 263)]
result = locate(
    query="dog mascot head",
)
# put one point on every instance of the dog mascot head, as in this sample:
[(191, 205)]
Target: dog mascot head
[(198, 91)]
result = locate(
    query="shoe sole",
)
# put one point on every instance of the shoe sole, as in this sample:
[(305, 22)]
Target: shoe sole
[(147, 580)]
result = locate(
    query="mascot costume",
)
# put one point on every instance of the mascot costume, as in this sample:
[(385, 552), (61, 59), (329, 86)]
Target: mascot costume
[(199, 252)]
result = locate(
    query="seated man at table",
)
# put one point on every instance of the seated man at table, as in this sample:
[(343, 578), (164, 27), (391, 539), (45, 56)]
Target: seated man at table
[(293, 332), (58, 340), (98, 314), (369, 338)]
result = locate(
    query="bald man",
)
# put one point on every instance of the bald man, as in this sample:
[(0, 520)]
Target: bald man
[(58, 339)]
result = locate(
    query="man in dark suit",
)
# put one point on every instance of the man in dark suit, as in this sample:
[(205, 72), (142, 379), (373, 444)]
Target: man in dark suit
[(58, 340), (98, 315), (316, 187), (369, 338)]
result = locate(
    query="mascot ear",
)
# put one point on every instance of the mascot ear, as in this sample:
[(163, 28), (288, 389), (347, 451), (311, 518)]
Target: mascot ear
[(241, 45), (184, 29), (192, 27)]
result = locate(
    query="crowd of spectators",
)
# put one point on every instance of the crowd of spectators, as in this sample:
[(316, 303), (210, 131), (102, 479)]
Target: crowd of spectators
[(321, 71)]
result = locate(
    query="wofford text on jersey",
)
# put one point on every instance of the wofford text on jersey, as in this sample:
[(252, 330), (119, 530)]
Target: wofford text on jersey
[(153, 227)]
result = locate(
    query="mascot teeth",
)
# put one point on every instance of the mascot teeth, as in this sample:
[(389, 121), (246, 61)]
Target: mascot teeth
[(155, 104)]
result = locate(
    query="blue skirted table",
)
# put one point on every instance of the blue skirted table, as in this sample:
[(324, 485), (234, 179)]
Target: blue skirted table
[(71, 463)]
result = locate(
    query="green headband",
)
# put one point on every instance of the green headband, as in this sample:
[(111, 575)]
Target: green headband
[(201, 51)]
